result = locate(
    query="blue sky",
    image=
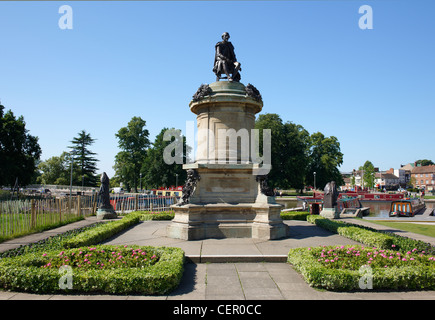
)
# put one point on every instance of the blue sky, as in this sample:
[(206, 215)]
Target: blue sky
[(372, 89)]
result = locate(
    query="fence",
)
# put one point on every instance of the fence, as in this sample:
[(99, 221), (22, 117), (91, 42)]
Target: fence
[(123, 203), (23, 216)]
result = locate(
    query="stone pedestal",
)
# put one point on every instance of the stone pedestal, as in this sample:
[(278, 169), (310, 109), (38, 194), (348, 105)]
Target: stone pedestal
[(227, 201), (330, 213), (103, 214)]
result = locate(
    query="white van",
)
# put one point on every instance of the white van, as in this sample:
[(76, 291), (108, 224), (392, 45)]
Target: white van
[(118, 190)]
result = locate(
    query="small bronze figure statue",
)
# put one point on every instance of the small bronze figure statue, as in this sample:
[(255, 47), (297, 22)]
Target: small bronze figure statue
[(330, 196), (264, 187), (189, 187), (105, 209), (225, 60)]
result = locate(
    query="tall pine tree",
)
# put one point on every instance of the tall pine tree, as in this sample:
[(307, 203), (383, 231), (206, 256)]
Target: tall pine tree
[(84, 159)]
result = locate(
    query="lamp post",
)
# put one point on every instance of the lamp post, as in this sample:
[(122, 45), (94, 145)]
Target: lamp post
[(70, 181), (140, 181), (176, 180), (314, 180)]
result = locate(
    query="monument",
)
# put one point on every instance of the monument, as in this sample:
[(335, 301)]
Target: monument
[(330, 201), (226, 193), (105, 209)]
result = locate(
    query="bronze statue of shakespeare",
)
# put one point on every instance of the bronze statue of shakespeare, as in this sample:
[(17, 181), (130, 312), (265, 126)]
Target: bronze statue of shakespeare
[(225, 60)]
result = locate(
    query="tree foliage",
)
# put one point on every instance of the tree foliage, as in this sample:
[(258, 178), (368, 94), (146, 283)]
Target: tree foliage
[(57, 170), (84, 159), (324, 158), (289, 146), (368, 170), (133, 142), (424, 162), (19, 151), (156, 172)]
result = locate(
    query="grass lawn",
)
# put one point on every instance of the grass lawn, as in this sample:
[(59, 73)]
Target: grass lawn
[(426, 229)]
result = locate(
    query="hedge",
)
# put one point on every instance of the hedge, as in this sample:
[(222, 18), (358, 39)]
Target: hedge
[(27, 273), (370, 236), (295, 215), (22, 269), (102, 231), (412, 277)]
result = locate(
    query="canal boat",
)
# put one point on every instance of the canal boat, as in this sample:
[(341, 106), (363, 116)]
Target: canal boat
[(406, 207)]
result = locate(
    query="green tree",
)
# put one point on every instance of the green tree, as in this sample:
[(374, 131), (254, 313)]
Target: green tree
[(133, 142), (324, 158), (86, 162), (424, 162), (19, 151), (156, 172), (368, 170), (289, 147), (57, 170)]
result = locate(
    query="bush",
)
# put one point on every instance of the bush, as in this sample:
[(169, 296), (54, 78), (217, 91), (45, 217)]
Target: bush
[(102, 231), (370, 236), (33, 272), (338, 268), (295, 215), (149, 215), (35, 267)]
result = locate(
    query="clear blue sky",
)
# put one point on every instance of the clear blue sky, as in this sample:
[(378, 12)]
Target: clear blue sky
[(313, 65)]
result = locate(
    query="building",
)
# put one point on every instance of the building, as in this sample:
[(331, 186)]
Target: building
[(424, 177), (386, 180), (168, 192)]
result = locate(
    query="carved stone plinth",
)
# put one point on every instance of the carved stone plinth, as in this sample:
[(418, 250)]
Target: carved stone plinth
[(226, 199)]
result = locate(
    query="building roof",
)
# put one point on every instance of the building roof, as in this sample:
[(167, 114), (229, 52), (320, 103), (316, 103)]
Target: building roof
[(386, 176), (424, 169)]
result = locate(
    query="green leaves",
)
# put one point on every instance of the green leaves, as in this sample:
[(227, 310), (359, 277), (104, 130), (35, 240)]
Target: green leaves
[(289, 151), (133, 142), (296, 154), (19, 151), (84, 159)]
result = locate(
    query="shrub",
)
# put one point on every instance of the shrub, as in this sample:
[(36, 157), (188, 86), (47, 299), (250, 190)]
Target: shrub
[(102, 231), (33, 272), (149, 215), (370, 236), (338, 268), (295, 215)]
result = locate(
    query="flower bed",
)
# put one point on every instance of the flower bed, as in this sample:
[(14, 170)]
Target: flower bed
[(370, 236), (339, 267), (96, 269)]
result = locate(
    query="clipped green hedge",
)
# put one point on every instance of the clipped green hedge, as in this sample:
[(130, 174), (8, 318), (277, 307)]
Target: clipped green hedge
[(23, 269), (412, 277), (27, 273), (295, 215), (102, 231), (165, 215), (370, 236)]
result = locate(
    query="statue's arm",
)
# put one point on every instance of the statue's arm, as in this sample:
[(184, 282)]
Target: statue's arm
[(219, 55)]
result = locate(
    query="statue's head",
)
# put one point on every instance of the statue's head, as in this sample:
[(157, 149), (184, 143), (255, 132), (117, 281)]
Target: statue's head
[(225, 36)]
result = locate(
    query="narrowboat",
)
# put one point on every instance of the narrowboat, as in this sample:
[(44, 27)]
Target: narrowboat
[(406, 207)]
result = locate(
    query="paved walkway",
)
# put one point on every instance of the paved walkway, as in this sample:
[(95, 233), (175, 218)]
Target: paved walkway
[(255, 269)]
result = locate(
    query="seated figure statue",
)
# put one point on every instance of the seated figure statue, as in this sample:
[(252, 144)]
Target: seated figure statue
[(225, 60)]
